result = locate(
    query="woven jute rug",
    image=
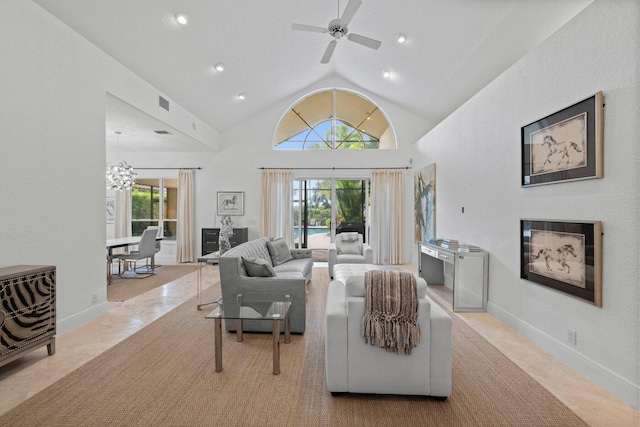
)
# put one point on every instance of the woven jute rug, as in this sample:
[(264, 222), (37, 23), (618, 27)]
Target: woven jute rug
[(164, 376), (123, 289)]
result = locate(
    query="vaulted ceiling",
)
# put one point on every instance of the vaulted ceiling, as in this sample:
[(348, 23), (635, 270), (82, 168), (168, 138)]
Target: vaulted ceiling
[(453, 48)]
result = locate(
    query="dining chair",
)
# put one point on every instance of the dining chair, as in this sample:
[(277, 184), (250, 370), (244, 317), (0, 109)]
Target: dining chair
[(158, 247), (146, 250)]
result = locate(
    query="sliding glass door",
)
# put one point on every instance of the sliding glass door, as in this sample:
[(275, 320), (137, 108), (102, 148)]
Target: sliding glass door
[(326, 207)]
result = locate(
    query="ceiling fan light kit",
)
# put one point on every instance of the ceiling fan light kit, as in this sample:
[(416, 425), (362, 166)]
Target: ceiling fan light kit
[(338, 29), (181, 18)]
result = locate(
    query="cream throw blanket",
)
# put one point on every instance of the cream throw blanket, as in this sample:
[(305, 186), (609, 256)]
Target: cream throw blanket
[(390, 319)]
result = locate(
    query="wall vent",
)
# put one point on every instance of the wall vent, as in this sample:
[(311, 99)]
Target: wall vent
[(163, 103)]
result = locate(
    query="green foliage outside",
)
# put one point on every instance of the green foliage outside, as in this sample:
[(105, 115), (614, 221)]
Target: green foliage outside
[(349, 207), (347, 139), (145, 204)]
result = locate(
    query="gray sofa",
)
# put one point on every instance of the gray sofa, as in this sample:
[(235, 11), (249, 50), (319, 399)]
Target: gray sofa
[(291, 279)]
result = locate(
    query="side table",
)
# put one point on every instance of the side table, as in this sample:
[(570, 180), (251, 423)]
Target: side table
[(274, 311), (210, 259)]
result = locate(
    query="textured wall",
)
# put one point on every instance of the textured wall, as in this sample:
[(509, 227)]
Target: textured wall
[(52, 121), (477, 153)]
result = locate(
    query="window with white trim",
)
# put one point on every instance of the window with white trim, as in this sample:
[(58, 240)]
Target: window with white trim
[(334, 120), (154, 202)]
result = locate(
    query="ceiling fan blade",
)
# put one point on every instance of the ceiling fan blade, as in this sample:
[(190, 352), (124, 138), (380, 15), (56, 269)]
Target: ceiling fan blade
[(327, 53), (365, 41), (349, 11), (301, 27)]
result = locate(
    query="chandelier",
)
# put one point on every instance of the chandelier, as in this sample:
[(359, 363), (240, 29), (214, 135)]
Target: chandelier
[(120, 176)]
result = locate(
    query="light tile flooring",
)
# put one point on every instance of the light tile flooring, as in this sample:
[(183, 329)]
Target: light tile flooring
[(27, 376)]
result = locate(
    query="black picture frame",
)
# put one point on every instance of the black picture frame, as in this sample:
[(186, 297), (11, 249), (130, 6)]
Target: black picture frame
[(564, 256), (566, 145)]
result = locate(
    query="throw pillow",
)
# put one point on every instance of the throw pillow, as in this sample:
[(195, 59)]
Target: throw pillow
[(257, 267), (349, 237), (349, 248), (279, 251)]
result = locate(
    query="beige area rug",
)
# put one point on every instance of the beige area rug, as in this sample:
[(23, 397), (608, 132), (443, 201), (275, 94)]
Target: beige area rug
[(124, 289), (164, 376)]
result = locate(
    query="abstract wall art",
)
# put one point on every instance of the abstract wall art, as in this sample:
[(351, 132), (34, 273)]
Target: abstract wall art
[(425, 203)]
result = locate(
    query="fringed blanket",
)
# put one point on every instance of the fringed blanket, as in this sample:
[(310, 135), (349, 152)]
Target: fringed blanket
[(390, 319)]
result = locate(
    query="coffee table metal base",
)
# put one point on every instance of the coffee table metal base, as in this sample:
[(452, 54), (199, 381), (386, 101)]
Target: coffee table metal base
[(240, 338)]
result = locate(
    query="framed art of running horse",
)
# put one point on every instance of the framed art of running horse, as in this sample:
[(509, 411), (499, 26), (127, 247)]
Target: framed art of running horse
[(566, 145), (230, 203), (565, 256)]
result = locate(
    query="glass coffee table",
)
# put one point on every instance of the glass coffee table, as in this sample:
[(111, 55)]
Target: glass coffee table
[(273, 311)]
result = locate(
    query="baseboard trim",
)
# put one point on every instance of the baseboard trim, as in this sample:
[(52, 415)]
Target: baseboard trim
[(619, 386), (69, 323)]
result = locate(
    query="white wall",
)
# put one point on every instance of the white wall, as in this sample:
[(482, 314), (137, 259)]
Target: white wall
[(477, 156), (52, 160), (249, 145)]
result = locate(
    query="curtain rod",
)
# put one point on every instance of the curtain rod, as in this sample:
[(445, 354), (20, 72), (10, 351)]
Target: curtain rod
[(334, 168), (135, 168)]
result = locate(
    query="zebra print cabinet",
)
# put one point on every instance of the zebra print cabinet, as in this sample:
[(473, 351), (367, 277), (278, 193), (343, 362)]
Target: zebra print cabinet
[(27, 310)]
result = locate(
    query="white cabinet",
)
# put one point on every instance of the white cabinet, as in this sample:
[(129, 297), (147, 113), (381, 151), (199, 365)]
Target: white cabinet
[(465, 273)]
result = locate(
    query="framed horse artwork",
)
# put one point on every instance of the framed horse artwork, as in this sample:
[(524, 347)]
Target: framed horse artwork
[(565, 146), (565, 256), (230, 203)]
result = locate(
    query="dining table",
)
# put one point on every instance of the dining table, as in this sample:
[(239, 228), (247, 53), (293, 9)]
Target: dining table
[(121, 242)]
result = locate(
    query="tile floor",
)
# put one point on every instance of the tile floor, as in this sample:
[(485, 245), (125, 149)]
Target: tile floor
[(27, 376)]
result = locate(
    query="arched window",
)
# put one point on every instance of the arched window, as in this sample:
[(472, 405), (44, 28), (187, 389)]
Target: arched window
[(334, 120)]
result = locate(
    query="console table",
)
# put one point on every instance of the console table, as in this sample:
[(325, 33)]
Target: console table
[(465, 273), (211, 236), (28, 314)]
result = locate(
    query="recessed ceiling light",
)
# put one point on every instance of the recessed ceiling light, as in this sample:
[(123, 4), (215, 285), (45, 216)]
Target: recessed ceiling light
[(386, 74), (181, 18), (219, 66), (242, 96), (402, 38)]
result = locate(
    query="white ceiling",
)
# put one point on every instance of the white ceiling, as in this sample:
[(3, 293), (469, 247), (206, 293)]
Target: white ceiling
[(453, 49)]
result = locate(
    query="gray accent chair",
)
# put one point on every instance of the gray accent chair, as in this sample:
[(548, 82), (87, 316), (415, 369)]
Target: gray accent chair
[(292, 278), (349, 249)]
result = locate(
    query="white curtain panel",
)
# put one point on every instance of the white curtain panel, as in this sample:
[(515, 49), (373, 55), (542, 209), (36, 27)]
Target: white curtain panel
[(184, 239), (123, 218), (387, 215), (276, 204)]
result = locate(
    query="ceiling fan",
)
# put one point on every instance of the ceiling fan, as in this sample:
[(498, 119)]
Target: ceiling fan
[(338, 28)]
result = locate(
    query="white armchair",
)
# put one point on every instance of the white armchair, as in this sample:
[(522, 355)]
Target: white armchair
[(349, 249), (354, 366)]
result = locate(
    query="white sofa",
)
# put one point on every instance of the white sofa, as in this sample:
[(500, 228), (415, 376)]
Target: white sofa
[(354, 366)]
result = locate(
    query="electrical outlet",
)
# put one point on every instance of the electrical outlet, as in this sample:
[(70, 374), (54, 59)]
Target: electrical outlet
[(572, 337), (94, 299)]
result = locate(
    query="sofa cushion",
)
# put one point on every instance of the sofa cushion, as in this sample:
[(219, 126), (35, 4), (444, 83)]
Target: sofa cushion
[(349, 237), (300, 265), (279, 251), (355, 287), (350, 248), (258, 267), (350, 259)]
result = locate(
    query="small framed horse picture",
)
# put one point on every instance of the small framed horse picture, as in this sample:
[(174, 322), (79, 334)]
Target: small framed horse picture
[(230, 203), (564, 146), (565, 256)]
